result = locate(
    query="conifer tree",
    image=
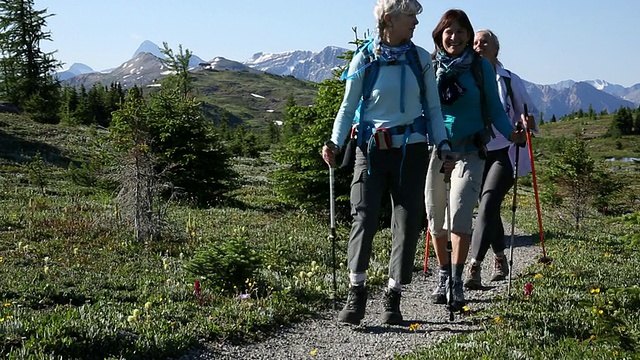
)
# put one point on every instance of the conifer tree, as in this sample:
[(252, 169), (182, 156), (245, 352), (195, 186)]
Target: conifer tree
[(622, 122), (304, 180), (575, 182), (181, 142), (26, 71)]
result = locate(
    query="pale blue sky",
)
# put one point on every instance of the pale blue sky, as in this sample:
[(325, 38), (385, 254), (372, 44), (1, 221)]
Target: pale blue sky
[(545, 41)]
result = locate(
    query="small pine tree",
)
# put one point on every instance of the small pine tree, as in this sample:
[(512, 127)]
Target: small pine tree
[(576, 183), (38, 173), (553, 118), (622, 122)]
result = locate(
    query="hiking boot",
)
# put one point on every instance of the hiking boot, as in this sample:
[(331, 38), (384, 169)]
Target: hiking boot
[(439, 294), (458, 295), (500, 268), (391, 314), (353, 310), (474, 279)]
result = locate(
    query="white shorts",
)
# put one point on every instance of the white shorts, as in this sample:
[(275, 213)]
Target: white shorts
[(466, 183)]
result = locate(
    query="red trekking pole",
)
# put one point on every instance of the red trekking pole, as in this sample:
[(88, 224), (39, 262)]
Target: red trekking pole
[(544, 259)]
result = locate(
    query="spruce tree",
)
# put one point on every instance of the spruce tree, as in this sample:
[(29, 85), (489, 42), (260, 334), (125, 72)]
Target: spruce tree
[(26, 71), (304, 181), (622, 122), (182, 144)]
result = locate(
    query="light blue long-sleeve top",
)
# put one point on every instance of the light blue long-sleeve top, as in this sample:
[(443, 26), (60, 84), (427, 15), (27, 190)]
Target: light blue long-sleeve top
[(463, 118), (383, 109)]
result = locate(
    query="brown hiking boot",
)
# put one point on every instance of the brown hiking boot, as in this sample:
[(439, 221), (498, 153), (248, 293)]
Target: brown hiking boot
[(474, 279), (500, 268)]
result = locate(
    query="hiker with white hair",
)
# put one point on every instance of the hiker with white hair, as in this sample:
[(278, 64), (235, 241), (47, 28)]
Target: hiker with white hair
[(498, 177), (390, 84)]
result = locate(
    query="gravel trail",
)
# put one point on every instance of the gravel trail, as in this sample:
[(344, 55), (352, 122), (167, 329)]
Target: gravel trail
[(324, 338)]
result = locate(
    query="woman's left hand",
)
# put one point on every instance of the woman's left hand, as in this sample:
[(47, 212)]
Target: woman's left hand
[(519, 135)]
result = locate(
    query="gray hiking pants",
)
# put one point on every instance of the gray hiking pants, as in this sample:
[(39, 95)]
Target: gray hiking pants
[(403, 177), (497, 180)]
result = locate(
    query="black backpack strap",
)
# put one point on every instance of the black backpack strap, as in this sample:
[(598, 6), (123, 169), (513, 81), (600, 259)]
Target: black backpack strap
[(478, 76), (507, 82)]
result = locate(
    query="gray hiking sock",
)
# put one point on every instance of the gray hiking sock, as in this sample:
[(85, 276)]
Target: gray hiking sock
[(357, 279)]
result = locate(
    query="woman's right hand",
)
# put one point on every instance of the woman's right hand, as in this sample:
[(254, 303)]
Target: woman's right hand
[(329, 153)]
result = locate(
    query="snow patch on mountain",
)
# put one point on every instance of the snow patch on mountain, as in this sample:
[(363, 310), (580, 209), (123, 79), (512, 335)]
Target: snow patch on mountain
[(307, 65)]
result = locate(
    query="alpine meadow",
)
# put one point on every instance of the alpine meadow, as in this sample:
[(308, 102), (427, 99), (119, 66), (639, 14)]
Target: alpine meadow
[(162, 221)]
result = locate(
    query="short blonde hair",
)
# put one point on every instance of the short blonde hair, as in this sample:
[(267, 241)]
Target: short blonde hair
[(393, 7)]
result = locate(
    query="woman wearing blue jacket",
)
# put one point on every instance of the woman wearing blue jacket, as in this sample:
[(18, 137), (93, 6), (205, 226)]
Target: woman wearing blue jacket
[(464, 102)]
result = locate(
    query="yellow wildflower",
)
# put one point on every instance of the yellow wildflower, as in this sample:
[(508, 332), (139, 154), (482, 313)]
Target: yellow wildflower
[(313, 352), (538, 276), (595, 290), (497, 320)]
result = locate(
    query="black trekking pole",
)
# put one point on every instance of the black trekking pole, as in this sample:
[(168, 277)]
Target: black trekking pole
[(332, 235), (514, 207), (447, 181)]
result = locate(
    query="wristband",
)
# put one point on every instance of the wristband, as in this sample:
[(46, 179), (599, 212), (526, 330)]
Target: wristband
[(440, 145), (332, 146)]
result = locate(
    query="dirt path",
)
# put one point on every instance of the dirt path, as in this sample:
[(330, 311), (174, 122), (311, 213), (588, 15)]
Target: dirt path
[(324, 338)]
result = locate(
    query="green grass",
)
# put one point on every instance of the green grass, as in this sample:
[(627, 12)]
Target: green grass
[(585, 305), (76, 284)]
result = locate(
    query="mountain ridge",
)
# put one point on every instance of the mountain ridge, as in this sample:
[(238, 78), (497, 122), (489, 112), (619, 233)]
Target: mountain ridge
[(556, 99)]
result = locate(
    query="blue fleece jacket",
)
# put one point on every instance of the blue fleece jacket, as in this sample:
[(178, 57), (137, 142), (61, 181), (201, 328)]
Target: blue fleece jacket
[(384, 107), (463, 118)]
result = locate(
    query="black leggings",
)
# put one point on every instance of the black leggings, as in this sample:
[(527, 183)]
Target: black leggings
[(496, 182)]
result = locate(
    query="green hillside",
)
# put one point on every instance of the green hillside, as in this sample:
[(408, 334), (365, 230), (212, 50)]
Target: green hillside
[(594, 132), (232, 91)]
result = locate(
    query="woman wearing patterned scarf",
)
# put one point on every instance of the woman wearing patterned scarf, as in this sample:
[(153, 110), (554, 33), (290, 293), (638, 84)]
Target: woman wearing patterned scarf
[(463, 118), (398, 168)]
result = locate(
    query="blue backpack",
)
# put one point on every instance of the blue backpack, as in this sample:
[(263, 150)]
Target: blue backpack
[(371, 70)]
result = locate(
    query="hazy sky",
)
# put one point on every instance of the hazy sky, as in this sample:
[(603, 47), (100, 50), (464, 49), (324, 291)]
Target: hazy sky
[(545, 41)]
